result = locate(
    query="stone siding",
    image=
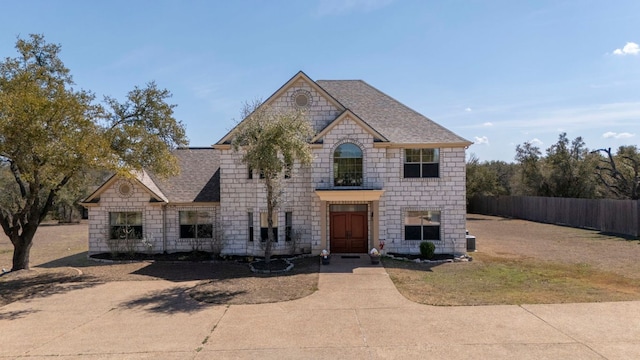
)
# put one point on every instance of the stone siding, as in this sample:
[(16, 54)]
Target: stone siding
[(382, 170), (157, 219)]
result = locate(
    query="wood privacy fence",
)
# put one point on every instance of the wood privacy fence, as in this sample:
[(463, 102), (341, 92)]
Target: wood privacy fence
[(606, 215)]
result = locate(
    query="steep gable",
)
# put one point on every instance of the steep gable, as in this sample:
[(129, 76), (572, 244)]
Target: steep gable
[(347, 114), (321, 109)]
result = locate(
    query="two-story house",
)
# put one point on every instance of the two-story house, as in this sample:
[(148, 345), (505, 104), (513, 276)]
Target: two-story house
[(382, 174)]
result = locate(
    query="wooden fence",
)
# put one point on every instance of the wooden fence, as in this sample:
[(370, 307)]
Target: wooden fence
[(606, 215)]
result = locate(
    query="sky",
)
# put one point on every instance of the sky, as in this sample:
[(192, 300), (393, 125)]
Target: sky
[(497, 72)]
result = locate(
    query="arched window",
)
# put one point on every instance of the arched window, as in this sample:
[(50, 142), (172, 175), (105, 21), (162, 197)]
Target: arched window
[(347, 165)]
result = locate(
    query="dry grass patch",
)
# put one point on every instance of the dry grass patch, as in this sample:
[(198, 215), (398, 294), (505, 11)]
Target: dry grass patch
[(490, 280), (59, 264), (243, 287)]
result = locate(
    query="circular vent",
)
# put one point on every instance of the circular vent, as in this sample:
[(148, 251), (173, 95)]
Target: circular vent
[(301, 99), (125, 189)]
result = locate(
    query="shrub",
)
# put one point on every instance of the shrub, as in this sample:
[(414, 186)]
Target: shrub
[(427, 249)]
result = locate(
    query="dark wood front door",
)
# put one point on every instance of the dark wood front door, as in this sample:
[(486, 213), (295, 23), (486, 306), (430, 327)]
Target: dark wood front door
[(348, 232)]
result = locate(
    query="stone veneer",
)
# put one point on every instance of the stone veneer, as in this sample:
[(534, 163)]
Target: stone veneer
[(382, 167), (155, 217)]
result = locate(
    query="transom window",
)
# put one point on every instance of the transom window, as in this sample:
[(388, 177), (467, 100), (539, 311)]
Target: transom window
[(125, 225), (422, 225), (421, 163), (196, 225), (347, 165)]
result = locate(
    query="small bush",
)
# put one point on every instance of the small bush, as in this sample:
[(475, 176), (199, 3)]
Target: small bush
[(427, 249)]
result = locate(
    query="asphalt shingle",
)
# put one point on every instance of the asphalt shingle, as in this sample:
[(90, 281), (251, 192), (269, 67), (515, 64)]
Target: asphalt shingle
[(199, 178), (392, 119)]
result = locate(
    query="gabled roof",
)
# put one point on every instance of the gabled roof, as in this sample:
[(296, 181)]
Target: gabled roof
[(198, 181), (299, 76), (349, 114), (394, 120), (199, 178), (387, 119)]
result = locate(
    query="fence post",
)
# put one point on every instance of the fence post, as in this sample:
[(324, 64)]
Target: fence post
[(637, 218)]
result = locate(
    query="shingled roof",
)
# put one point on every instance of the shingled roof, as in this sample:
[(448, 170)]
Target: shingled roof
[(199, 178), (392, 119)]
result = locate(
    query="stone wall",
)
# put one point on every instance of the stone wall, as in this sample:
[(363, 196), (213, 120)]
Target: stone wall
[(155, 218)]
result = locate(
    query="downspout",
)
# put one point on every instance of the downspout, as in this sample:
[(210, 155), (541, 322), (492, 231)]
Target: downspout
[(164, 228)]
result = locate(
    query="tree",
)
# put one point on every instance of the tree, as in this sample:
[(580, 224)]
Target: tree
[(67, 208), (488, 178), (620, 173), (271, 141), (480, 179), (565, 171), (569, 170), (530, 176), (505, 173), (50, 133)]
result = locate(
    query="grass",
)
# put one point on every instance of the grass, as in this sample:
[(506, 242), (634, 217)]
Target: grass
[(518, 262), (492, 280)]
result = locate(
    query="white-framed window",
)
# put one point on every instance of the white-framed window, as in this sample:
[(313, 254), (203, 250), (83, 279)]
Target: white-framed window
[(422, 225), (421, 163), (125, 225), (196, 224)]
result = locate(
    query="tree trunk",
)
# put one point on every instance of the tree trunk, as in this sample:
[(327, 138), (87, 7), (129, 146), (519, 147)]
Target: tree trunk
[(269, 240), (21, 251)]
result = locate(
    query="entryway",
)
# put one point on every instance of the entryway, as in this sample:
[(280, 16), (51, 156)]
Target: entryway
[(349, 228)]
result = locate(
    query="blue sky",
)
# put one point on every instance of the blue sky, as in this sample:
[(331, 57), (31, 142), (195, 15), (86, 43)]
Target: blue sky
[(496, 72)]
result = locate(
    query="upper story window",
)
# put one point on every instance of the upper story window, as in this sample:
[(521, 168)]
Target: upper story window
[(347, 165), (421, 163)]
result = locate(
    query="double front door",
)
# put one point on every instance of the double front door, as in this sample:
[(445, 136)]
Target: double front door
[(348, 231)]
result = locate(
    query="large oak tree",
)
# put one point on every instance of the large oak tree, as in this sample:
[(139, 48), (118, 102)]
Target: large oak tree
[(50, 133)]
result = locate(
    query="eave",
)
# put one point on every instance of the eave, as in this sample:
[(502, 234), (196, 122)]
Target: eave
[(349, 195)]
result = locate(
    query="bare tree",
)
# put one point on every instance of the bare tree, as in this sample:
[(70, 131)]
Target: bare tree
[(620, 173)]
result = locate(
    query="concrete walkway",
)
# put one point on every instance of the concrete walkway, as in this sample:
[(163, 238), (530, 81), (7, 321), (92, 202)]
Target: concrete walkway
[(356, 314)]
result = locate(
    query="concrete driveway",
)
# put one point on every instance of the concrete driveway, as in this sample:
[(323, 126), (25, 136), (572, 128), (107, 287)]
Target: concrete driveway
[(356, 314)]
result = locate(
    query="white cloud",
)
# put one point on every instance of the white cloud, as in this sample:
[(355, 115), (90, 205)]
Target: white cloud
[(487, 124), (630, 48), (341, 7), (481, 140), (467, 109), (536, 141), (611, 134)]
